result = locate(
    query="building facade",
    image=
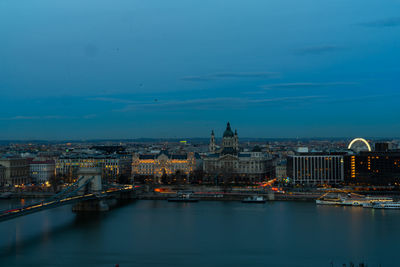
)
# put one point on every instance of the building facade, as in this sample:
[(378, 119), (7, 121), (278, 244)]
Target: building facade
[(2, 176), (232, 166), (16, 171), (280, 170), (42, 171), (112, 166), (376, 167), (316, 168), (163, 163)]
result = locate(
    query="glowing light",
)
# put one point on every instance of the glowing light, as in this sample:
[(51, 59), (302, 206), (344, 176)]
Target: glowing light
[(361, 140)]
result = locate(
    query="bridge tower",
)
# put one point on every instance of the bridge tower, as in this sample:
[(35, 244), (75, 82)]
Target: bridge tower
[(94, 185)]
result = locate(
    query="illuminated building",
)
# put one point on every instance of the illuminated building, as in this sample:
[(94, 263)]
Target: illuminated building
[(376, 167), (42, 171), (280, 171), (156, 165), (316, 168), (16, 171), (230, 165), (112, 165)]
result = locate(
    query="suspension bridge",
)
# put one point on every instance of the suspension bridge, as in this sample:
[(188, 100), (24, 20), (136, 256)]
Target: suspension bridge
[(88, 193)]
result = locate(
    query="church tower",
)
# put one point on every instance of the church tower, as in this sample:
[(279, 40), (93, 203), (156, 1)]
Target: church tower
[(212, 146), (228, 137), (236, 141)]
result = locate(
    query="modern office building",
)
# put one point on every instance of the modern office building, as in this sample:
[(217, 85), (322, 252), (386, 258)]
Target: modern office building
[(316, 168), (375, 167), (234, 166)]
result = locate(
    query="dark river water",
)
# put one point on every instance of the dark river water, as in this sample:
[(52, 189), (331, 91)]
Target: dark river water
[(159, 233)]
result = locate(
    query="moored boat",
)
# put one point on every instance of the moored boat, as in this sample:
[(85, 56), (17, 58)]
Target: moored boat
[(387, 205), (366, 202), (186, 197), (351, 202), (254, 199), (371, 201), (328, 202), (368, 205)]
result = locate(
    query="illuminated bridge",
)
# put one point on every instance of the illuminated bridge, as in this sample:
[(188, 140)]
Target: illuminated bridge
[(87, 193)]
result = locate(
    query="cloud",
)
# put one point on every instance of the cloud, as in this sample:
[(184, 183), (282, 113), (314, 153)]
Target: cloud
[(15, 118), (232, 75), (197, 78), (246, 75), (317, 50), (90, 116), (172, 104), (47, 117), (113, 100), (362, 97), (301, 85), (288, 99), (383, 23), (214, 103)]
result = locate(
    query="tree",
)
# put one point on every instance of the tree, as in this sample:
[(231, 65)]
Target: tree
[(197, 176), (164, 177)]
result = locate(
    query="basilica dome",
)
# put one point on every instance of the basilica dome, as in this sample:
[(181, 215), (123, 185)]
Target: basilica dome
[(228, 132)]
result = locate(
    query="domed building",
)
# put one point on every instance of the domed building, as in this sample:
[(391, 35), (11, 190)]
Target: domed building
[(230, 142), (234, 166)]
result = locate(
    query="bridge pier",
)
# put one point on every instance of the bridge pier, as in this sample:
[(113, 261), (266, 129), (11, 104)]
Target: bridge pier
[(95, 205), (92, 174)]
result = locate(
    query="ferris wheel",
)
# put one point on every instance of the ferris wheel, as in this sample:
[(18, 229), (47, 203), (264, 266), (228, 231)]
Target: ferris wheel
[(356, 142)]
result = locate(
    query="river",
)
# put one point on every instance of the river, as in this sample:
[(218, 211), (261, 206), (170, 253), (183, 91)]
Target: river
[(160, 233)]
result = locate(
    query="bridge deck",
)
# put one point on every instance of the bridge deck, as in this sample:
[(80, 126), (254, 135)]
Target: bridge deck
[(49, 204)]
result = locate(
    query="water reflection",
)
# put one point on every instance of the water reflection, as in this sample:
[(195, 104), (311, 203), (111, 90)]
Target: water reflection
[(159, 233)]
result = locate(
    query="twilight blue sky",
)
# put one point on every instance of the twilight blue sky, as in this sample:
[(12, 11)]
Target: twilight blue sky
[(179, 68)]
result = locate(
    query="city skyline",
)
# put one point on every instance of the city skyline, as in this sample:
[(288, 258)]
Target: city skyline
[(199, 133), (175, 69), (218, 133)]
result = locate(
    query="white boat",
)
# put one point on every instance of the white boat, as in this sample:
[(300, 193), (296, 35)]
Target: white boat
[(352, 202), (387, 205), (183, 197), (254, 199), (379, 199), (368, 205), (366, 202), (328, 202), (371, 201)]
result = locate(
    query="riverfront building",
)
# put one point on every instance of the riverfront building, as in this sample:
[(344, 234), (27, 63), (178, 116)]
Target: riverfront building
[(233, 166), (42, 171), (316, 168), (164, 163), (112, 166), (375, 167), (280, 170), (16, 171)]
